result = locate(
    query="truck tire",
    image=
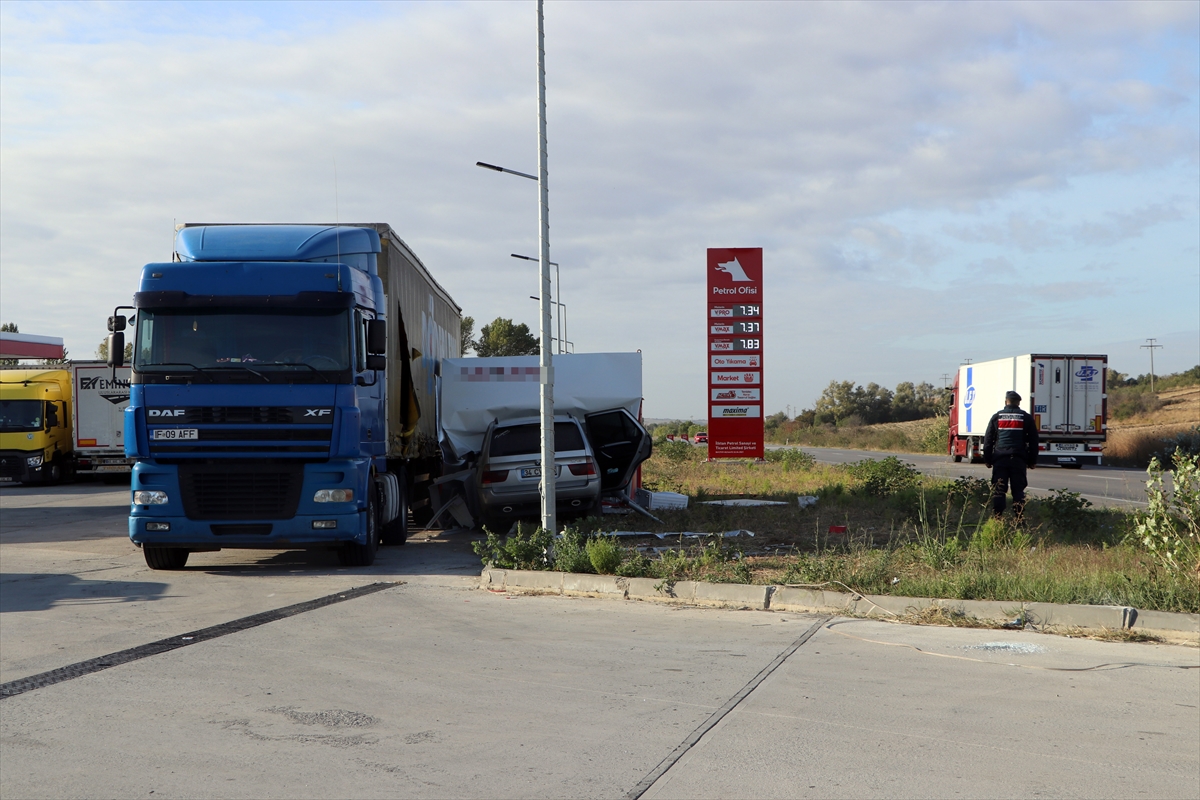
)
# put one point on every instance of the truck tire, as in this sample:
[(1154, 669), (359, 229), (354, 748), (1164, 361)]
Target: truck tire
[(165, 557), (957, 458), (395, 533), (353, 554)]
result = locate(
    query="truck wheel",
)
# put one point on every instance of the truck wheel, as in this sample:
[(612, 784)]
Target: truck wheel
[(164, 557), (395, 533), (957, 458), (55, 472), (354, 554)]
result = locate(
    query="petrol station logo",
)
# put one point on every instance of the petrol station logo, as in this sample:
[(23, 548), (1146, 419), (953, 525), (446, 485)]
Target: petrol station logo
[(734, 270)]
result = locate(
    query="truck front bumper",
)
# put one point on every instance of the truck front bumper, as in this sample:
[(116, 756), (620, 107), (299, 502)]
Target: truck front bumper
[(15, 467), (296, 532), (162, 520)]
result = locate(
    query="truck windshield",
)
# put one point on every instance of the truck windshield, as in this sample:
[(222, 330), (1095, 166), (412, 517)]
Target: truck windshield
[(20, 415), (286, 345)]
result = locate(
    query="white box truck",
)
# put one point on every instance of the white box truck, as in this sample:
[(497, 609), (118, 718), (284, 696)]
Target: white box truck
[(1066, 394), (100, 397)]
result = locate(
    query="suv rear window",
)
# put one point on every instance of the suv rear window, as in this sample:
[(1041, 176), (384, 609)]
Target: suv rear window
[(523, 440)]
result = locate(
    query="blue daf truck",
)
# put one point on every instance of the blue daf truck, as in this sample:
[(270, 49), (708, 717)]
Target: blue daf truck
[(282, 391)]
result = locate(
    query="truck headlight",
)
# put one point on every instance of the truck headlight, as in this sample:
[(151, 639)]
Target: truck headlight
[(333, 496), (149, 498), (34, 461)]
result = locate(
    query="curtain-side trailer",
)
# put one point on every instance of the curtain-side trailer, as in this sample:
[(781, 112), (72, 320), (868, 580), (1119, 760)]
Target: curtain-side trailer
[(1066, 394)]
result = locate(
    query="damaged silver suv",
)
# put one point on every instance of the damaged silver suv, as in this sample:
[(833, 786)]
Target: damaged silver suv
[(597, 457)]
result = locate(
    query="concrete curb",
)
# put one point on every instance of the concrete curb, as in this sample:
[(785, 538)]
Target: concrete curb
[(791, 598)]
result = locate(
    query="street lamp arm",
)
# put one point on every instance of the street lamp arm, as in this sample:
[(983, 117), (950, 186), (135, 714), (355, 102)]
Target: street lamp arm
[(531, 258), (494, 168)]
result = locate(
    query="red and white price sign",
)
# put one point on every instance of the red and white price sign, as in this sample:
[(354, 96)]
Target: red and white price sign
[(735, 352)]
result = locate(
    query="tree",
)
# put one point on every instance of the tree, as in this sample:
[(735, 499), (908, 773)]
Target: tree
[(102, 351), (8, 327), (503, 338), (465, 343)]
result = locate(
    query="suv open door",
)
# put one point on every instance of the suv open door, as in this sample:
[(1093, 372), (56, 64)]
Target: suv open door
[(620, 444)]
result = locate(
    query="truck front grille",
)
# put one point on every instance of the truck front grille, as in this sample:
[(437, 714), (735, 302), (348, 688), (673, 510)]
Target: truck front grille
[(241, 490), (12, 465)]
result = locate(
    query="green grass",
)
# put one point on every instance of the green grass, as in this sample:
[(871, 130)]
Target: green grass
[(907, 534)]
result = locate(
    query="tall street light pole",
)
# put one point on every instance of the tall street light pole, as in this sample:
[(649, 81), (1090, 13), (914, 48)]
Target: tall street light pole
[(545, 362)]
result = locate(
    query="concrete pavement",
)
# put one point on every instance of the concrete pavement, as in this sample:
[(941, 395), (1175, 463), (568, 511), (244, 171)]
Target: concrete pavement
[(434, 688)]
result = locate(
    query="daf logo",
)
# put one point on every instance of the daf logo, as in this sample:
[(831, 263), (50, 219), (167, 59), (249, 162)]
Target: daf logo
[(167, 412), (317, 412)]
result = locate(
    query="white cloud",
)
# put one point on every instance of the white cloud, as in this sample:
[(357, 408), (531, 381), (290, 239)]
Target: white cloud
[(673, 127)]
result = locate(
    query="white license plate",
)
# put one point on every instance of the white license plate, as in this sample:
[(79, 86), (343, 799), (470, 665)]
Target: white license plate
[(7, 480), (176, 434), (110, 468), (1072, 447), (536, 472)]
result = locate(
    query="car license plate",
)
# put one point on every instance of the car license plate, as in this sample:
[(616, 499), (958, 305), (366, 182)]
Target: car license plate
[(112, 468), (1067, 447), (536, 472), (176, 434), (7, 480)]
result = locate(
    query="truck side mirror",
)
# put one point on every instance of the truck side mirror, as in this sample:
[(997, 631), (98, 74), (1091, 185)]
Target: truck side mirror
[(51, 415), (377, 337), (116, 346), (116, 324), (376, 362)]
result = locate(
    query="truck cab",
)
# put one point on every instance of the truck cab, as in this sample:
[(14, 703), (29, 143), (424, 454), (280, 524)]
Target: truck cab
[(35, 425), (257, 410)]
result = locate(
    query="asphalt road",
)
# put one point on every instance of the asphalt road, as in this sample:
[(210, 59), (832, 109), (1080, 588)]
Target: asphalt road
[(1103, 486), (433, 688)]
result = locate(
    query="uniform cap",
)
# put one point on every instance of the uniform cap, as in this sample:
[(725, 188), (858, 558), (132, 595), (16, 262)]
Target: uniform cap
[(1012, 398)]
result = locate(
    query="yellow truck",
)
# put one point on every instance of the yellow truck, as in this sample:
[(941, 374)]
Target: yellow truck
[(35, 425)]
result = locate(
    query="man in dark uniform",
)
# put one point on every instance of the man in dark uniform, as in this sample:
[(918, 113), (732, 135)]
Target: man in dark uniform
[(1009, 447)]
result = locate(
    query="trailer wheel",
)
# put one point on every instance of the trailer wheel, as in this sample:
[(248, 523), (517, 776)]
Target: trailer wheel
[(395, 533), (165, 557), (353, 554)]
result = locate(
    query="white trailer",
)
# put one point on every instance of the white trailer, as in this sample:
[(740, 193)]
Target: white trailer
[(1066, 394), (100, 398)]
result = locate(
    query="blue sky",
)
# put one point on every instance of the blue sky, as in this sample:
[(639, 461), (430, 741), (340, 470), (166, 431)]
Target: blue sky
[(931, 182)]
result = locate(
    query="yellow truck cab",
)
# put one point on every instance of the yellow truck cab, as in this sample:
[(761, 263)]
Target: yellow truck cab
[(35, 425)]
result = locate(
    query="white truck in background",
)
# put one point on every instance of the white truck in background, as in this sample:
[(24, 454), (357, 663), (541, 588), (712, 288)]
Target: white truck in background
[(100, 397), (1066, 394)]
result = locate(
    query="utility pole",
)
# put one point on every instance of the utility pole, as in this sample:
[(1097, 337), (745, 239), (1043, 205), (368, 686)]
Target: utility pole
[(549, 499), (1151, 347), (967, 361), (945, 381)]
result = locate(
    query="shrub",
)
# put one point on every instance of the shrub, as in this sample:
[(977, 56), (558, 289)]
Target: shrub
[(1065, 511), (937, 436), (570, 552), (1186, 442), (604, 555), (526, 548), (677, 452), (791, 459), (884, 477), (970, 488), (1170, 527)]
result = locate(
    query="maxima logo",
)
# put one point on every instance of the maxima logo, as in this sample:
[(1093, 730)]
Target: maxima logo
[(166, 412), (735, 412)]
